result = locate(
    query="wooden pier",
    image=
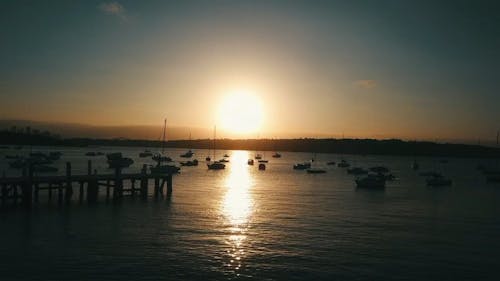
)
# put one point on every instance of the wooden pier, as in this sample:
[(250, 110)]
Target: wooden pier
[(25, 190)]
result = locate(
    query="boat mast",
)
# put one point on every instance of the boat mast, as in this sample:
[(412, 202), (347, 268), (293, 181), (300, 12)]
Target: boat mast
[(163, 140), (215, 129)]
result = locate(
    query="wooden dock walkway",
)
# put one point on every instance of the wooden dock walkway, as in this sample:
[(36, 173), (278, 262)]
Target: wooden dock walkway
[(25, 190)]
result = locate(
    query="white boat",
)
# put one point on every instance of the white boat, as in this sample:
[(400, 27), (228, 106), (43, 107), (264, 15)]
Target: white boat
[(216, 165)]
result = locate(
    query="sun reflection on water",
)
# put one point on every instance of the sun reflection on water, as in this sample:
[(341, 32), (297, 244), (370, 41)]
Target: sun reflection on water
[(237, 207)]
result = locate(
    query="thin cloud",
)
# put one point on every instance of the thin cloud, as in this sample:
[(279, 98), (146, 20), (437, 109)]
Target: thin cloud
[(113, 8), (366, 84)]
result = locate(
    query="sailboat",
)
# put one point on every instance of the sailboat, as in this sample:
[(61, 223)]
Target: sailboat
[(159, 156), (159, 168), (189, 153), (276, 154), (215, 165)]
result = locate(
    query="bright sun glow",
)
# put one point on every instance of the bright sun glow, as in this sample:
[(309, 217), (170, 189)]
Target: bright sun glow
[(241, 112)]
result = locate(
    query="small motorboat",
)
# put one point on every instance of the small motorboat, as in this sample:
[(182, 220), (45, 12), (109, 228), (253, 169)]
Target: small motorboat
[(388, 177), (223, 160), (250, 162), (216, 166), (379, 169), (331, 163), (207, 158), (263, 161), (438, 181), (226, 156), (161, 158), (371, 181), (190, 163), (276, 155), (188, 154), (258, 156), (145, 153), (343, 164), (302, 166), (262, 166), (315, 171)]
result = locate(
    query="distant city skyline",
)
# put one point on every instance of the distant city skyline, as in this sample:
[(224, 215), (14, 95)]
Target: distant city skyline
[(365, 69)]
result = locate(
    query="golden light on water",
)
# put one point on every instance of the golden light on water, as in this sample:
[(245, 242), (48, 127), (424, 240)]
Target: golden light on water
[(237, 207), (241, 112)]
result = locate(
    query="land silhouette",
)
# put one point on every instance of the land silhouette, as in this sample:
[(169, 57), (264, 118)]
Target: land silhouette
[(28, 137)]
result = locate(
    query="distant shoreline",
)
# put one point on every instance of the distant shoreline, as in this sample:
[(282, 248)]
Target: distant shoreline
[(338, 146)]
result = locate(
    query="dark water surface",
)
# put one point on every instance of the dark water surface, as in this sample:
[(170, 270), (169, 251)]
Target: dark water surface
[(278, 224)]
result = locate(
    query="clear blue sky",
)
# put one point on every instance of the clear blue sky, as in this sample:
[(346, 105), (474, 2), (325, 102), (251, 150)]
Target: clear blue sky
[(411, 69)]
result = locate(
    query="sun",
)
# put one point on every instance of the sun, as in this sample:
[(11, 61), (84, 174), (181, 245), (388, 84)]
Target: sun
[(240, 112)]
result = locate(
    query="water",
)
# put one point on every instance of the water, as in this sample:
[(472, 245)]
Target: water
[(279, 224)]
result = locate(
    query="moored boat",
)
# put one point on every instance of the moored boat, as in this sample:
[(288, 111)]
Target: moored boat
[(343, 164), (145, 153), (315, 171), (438, 181), (302, 166), (216, 165), (188, 154), (190, 163), (371, 181)]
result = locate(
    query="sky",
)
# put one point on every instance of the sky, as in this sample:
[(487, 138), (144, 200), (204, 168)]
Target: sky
[(375, 69)]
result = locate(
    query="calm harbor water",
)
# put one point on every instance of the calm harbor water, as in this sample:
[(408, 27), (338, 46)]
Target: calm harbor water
[(278, 224)]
